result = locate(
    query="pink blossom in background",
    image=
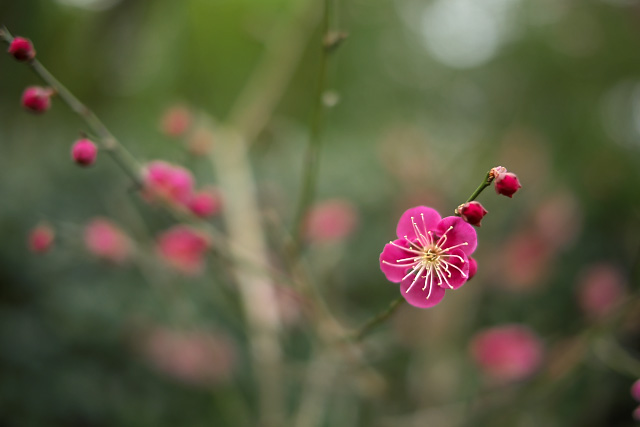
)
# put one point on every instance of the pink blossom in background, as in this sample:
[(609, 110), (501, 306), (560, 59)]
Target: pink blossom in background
[(206, 203), (107, 241), (523, 261), (167, 182), (635, 390), (429, 256), (600, 288), (331, 221), (193, 357), (176, 121), (507, 353), (41, 238), (184, 249), (559, 219), (636, 414)]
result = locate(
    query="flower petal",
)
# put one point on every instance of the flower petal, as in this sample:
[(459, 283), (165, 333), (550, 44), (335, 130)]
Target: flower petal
[(458, 268), (389, 260), (426, 219), (418, 297), (460, 233)]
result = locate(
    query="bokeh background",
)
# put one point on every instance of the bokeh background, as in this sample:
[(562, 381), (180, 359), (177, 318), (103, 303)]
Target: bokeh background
[(422, 98)]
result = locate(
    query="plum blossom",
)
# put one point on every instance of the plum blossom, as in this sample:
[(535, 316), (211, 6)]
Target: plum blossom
[(331, 221), (41, 238), (107, 241), (430, 255), (507, 353), (167, 182), (183, 248)]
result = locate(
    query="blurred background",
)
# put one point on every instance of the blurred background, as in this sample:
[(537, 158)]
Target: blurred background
[(421, 99)]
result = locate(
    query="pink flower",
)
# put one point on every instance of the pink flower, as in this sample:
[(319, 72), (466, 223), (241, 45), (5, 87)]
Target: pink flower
[(166, 182), (600, 288), (635, 390), (472, 212), (84, 152), (41, 238), (37, 99), (330, 221), (107, 241), (507, 353), (183, 248), (205, 203), (176, 120), (194, 357), (22, 49), (636, 414), (429, 256)]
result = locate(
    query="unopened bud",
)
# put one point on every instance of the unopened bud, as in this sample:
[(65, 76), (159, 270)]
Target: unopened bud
[(37, 99), (507, 184), (472, 212), (84, 152), (22, 49)]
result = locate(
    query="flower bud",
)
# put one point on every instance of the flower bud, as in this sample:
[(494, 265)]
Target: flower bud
[(37, 99), (472, 212), (84, 152), (22, 49), (41, 238), (473, 268), (205, 203), (507, 184)]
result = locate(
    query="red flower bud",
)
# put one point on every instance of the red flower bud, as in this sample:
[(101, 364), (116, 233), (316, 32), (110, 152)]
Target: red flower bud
[(507, 184), (41, 238), (205, 203), (472, 212), (473, 268), (37, 99), (84, 152), (22, 49)]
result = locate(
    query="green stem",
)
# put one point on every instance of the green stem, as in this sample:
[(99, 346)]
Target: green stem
[(485, 183), (106, 140), (377, 319), (312, 154)]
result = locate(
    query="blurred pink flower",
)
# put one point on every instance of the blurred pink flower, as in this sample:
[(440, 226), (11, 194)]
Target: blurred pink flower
[(167, 182), (195, 357), (176, 121), (331, 221), (206, 203), (184, 249), (41, 238), (107, 241), (431, 248), (559, 219), (600, 288), (507, 353), (635, 390), (524, 261), (636, 414)]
